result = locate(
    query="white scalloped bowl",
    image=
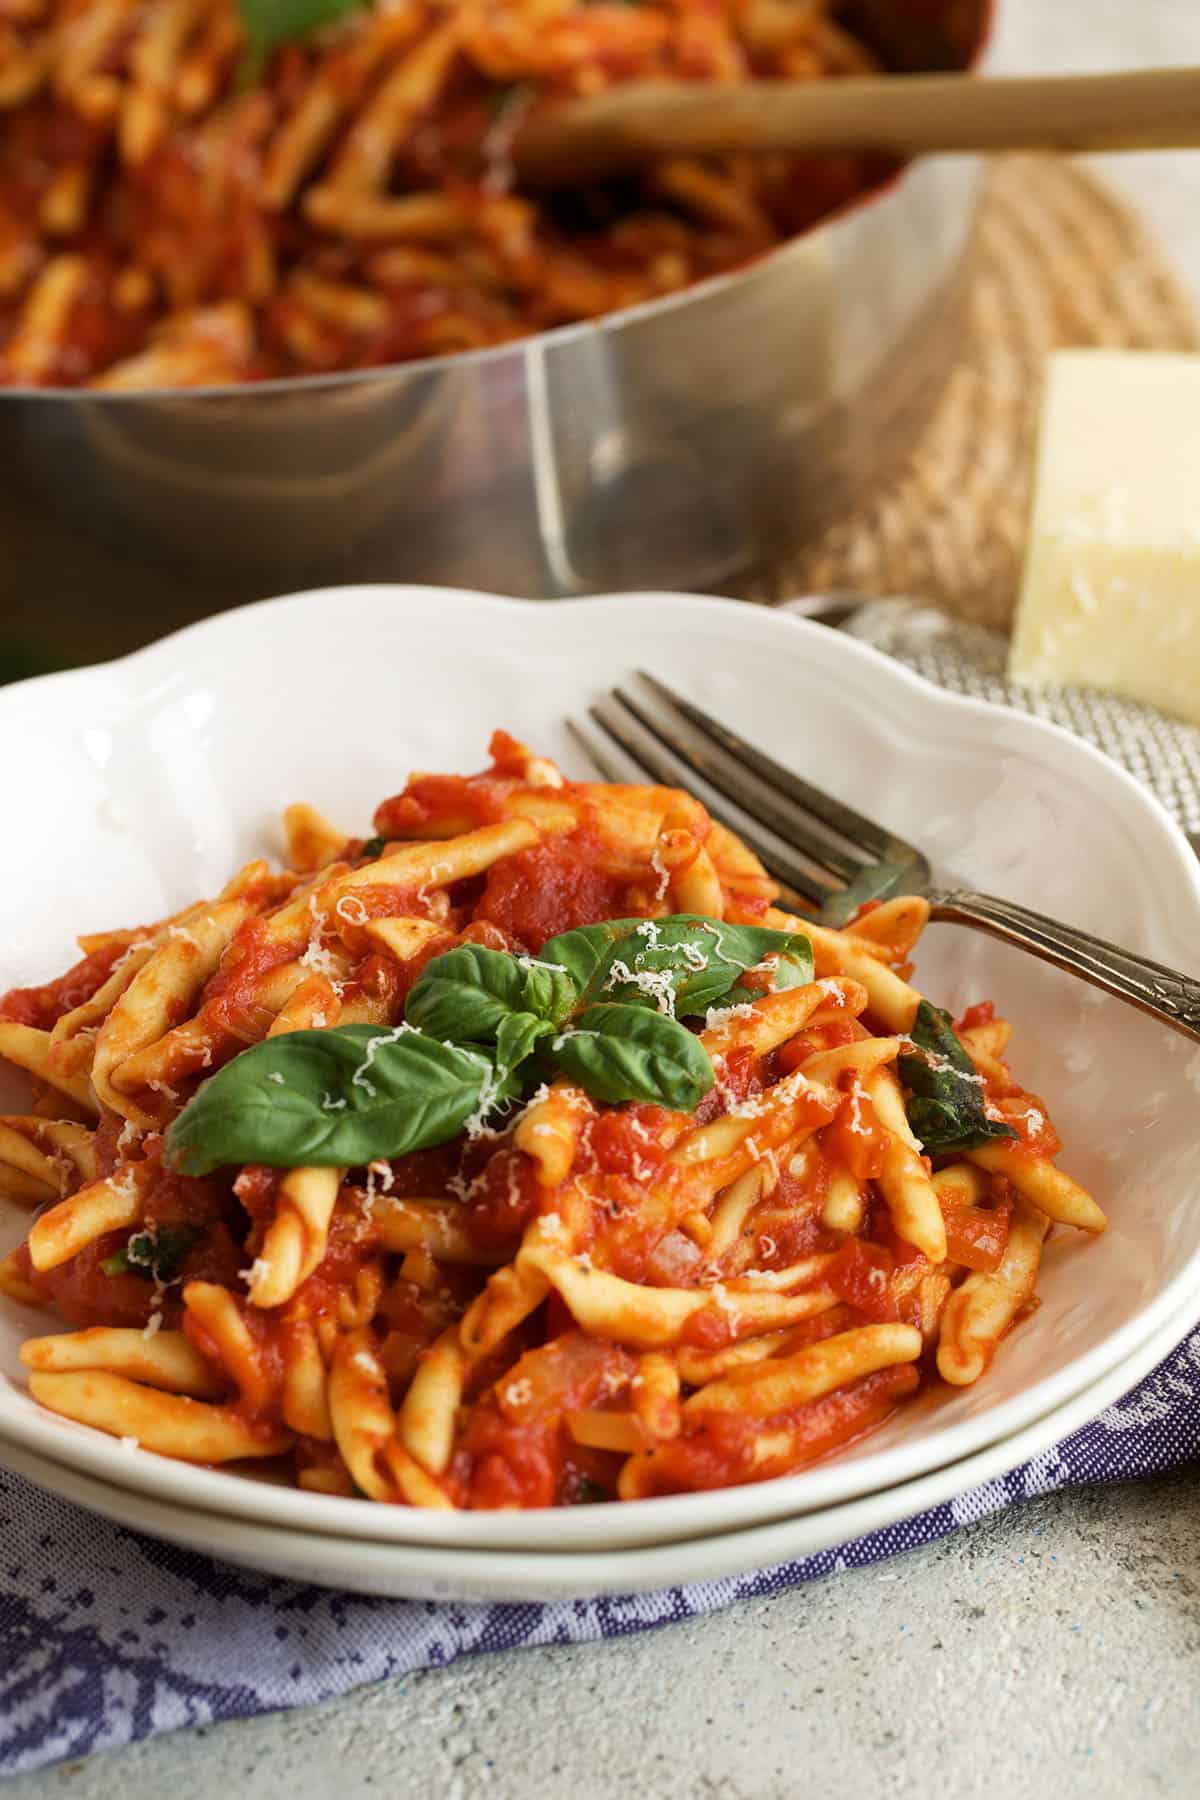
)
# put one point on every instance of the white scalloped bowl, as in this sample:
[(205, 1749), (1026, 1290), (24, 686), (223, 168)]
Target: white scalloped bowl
[(139, 785)]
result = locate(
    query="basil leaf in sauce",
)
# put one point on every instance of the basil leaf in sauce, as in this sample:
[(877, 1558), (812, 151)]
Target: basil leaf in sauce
[(879, 881), (620, 1053), (945, 1091), (516, 1039), (466, 994), (474, 1019), (158, 1252), (682, 965), (268, 24), (345, 1096)]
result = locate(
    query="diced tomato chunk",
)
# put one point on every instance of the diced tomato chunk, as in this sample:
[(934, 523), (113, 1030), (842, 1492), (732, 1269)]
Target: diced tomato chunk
[(536, 893), (861, 1275)]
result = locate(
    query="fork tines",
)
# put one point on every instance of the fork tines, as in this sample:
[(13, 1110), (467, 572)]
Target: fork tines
[(807, 839)]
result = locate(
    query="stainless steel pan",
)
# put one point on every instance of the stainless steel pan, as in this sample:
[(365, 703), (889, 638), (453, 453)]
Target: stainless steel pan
[(676, 445)]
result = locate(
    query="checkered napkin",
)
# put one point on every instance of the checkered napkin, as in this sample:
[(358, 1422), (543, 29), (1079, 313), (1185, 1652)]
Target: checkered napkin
[(107, 1636)]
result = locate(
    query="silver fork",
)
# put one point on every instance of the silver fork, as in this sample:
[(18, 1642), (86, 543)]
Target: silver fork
[(820, 849)]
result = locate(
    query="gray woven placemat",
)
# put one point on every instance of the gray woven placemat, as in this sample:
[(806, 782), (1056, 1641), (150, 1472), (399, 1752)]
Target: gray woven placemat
[(1162, 752)]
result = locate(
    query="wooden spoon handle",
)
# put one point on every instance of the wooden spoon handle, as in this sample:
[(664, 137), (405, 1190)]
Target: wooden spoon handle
[(898, 115)]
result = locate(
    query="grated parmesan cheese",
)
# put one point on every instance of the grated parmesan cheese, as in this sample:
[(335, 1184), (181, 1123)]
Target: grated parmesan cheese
[(721, 1015), (125, 1183), (661, 870), (657, 984), (359, 1077), (322, 961), (536, 962), (721, 1300), (351, 909)]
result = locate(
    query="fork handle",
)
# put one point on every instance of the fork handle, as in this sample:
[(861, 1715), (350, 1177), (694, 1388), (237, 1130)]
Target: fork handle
[(1163, 993)]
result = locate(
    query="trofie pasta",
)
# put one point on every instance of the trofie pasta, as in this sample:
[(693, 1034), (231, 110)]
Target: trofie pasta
[(193, 193), (524, 1154)]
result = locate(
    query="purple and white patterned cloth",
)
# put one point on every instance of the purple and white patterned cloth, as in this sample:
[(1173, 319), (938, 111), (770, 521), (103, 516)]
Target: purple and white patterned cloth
[(107, 1636)]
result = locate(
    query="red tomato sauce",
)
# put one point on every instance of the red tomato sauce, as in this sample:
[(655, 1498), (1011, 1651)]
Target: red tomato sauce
[(978, 1237), (230, 997), (718, 1448), (451, 803), (1029, 1119), (85, 1295), (551, 887), (45, 1005), (856, 1140), (515, 1450), (625, 1142), (740, 1074), (504, 1196)]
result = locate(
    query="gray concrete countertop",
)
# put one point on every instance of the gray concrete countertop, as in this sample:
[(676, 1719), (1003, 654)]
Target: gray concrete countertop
[(1054, 1649), (1051, 1650)]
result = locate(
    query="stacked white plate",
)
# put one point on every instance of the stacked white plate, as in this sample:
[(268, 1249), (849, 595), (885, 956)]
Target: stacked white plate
[(139, 785)]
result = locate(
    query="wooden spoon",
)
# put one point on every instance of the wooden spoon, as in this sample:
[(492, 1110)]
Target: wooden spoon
[(898, 115)]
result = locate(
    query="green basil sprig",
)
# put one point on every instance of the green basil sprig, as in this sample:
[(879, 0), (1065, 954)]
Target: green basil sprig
[(945, 1104), (158, 1252), (268, 24), (464, 995), (603, 1005), (341, 1097), (620, 1053), (698, 962)]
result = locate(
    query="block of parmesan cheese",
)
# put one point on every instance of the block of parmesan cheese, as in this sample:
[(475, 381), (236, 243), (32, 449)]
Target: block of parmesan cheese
[(1111, 594)]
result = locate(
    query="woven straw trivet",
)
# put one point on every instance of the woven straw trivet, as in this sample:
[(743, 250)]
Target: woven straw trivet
[(1058, 261)]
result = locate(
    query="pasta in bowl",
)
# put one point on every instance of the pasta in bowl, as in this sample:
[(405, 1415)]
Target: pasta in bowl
[(524, 1154)]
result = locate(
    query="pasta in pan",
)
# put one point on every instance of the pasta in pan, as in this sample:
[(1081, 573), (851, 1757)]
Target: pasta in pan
[(524, 1154), (166, 223)]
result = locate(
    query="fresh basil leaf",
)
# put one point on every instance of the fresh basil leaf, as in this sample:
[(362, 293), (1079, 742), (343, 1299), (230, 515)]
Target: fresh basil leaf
[(345, 1096), (879, 881), (270, 23), (374, 846), (945, 1105), (685, 963), (620, 1053), (464, 995), (583, 951), (789, 972), (740, 948), (515, 1040), (158, 1252)]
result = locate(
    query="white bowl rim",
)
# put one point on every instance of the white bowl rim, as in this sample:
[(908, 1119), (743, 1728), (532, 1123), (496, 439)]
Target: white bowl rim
[(491, 1576), (657, 1519)]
